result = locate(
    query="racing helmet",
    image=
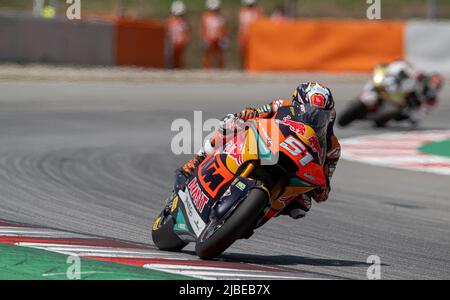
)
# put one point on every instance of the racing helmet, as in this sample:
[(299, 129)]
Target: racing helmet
[(213, 4), (433, 84), (316, 107), (435, 81), (315, 94), (400, 69), (248, 2), (178, 8)]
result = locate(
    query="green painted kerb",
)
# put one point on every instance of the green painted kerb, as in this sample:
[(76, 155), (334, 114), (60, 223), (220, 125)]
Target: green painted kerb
[(24, 263), (441, 148)]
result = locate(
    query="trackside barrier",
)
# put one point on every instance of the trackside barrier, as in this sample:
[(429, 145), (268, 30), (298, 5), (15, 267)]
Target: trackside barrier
[(25, 39), (297, 45), (140, 43), (427, 45), (323, 45)]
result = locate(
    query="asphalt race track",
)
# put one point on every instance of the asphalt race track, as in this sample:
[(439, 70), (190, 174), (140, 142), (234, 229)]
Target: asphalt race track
[(95, 158)]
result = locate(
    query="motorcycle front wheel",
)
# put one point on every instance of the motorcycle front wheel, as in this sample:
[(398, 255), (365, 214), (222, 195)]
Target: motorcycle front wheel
[(242, 220), (163, 235)]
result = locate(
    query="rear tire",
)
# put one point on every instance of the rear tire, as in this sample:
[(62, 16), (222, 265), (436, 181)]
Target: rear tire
[(354, 111), (163, 235), (240, 223)]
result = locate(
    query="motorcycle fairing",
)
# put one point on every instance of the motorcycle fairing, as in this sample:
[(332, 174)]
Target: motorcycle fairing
[(193, 219), (189, 223), (236, 192), (215, 178), (208, 184)]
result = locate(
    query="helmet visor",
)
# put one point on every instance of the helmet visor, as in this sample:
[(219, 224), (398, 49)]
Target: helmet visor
[(318, 119)]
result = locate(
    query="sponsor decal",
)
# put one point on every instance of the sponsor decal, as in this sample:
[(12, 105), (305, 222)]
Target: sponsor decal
[(195, 220), (240, 185), (200, 199), (156, 223), (294, 126), (315, 145), (309, 176), (318, 100), (295, 148), (234, 150), (174, 204), (214, 175)]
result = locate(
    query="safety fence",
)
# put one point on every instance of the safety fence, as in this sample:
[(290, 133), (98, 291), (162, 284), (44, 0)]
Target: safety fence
[(25, 39), (293, 45), (348, 45)]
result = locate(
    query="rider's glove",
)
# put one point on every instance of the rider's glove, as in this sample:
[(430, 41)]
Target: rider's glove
[(247, 113)]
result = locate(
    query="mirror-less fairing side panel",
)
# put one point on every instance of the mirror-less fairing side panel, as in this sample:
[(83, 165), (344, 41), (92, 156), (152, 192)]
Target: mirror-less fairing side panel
[(237, 191)]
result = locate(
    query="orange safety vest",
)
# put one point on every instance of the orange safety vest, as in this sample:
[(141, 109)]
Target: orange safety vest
[(178, 31), (213, 27)]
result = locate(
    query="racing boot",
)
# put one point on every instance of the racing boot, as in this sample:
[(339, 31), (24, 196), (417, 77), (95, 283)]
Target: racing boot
[(298, 207)]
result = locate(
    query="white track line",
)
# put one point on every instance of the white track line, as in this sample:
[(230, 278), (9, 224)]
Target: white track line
[(96, 250), (33, 232), (398, 150), (219, 273)]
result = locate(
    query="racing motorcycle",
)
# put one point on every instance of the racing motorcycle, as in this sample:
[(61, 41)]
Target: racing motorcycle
[(242, 184), (387, 103)]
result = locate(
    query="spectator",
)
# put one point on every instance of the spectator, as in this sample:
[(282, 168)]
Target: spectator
[(248, 13), (214, 34), (178, 34)]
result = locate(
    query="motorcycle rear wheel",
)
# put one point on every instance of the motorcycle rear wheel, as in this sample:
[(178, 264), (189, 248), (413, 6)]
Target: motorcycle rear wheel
[(242, 220)]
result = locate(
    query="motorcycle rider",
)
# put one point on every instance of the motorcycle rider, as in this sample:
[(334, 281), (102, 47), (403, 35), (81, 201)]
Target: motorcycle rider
[(307, 95), (419, 89)]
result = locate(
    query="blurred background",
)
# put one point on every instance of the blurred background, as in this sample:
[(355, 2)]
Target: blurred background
[(159, 11)]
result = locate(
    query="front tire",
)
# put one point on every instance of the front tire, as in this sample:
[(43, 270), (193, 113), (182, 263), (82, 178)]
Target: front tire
[(242, 221), (163, 236)]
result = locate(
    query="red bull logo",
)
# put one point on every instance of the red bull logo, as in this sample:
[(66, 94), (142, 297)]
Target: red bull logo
[(315, 145), (294, 126), (234, 150), (318, 100)]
